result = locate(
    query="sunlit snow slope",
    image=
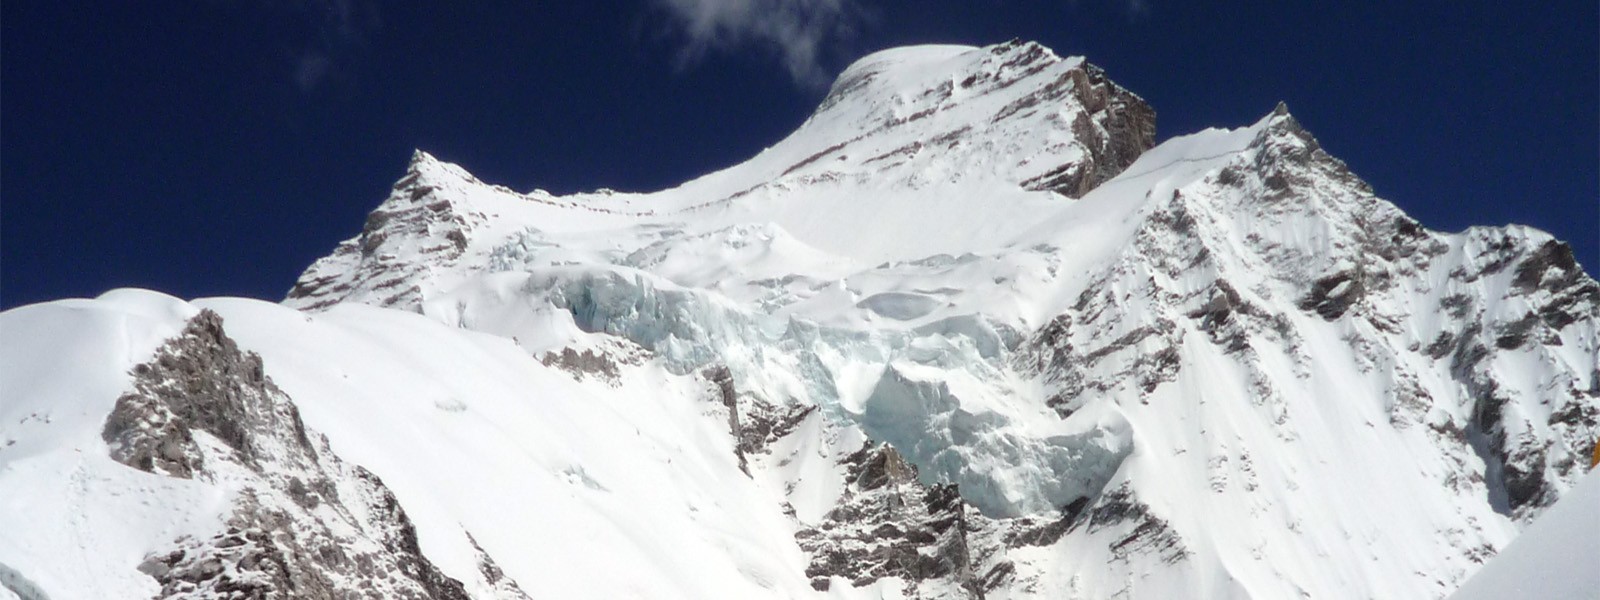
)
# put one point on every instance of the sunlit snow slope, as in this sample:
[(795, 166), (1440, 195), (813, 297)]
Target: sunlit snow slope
[(1553, 559), (967, 332), (615, 488)]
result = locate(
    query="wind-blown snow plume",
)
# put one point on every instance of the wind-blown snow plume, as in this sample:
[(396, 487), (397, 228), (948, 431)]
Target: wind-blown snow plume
[(800, 31)]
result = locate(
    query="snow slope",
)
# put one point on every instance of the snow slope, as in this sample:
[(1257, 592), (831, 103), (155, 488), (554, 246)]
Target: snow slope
[(966, 332), (577, 488), (1553, 558), (74, 519)]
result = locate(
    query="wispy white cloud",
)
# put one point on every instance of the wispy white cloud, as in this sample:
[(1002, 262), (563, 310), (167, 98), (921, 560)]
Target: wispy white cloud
[(1134, 8), (801, 33), (311, 69), (323, 37)]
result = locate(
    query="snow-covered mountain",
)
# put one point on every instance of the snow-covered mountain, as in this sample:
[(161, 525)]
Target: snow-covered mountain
[(967, 332)]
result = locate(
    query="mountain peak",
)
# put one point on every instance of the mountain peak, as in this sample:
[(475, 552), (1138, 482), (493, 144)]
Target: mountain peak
[(1180, 346), (1281, 135), (927, 76), (1014, 112), (425, 166)]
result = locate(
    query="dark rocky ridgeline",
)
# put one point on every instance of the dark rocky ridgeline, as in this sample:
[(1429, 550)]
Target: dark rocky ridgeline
[(754, 423), (1115, 128), (604, 361), (1389, 257), (1141, 531), (415, 216), (1381, 259), (305, 524), (1526, 470), (1138, 530)]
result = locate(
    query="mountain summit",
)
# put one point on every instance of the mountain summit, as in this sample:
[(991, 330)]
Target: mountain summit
[(967, 332)]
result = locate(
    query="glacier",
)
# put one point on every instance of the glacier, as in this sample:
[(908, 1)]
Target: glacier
[(967, 332)]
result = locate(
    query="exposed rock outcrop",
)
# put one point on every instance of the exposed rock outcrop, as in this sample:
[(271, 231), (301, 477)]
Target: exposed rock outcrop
[(889, 525), (415, 227), (304, 524)]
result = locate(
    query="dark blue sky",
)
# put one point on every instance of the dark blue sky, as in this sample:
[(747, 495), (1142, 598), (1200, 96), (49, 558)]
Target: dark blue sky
[(217, 148)]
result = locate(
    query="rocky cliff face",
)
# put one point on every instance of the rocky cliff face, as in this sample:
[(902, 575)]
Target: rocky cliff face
[(1092, 128), (889, 525), (418, 225), (304, 524)]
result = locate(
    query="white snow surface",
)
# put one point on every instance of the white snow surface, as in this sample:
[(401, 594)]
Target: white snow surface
[(1553, 559), (75, 522), (598, 489), (883, 264)]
